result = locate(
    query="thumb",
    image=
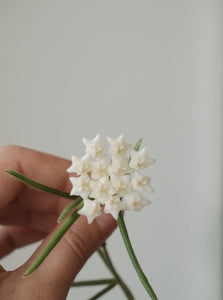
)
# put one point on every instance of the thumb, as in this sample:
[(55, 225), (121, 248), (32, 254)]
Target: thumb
[(65, 261)]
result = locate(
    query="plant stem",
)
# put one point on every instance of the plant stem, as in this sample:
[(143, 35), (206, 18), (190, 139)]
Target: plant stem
[(102, 255), (41, 186), (134, 259), (105, 256), (102, 292), (93, 282), (55, 239)]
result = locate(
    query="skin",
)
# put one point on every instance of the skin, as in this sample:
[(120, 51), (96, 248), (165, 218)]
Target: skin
[(28, 215)]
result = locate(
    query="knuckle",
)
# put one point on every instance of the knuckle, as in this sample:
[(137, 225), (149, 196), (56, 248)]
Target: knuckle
[(77, 245)]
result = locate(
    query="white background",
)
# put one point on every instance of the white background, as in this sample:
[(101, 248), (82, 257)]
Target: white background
[(150, 69)]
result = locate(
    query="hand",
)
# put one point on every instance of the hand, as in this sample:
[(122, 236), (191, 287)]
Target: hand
[(28, 215)]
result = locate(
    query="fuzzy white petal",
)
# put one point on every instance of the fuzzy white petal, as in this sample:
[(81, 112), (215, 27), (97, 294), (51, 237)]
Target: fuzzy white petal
[(80, 165), (101, 189), (140, 159), (81, 185), (94, 147), (91, 210), (119, 166), (141, 183), (99, 169), (118, 147), (134, 201), (120, 184), (113, 206)]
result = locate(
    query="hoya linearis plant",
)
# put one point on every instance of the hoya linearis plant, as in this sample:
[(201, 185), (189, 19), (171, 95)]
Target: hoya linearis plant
[(114, 184)]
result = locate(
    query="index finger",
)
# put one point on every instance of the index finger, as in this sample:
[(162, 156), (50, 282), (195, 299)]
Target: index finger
[(46, 168)]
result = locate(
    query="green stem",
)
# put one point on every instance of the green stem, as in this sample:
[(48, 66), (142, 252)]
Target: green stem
[(55, 239), (93, 282), (40, 186), (102, 255), (102, 292), (134, 259), (105, 256)]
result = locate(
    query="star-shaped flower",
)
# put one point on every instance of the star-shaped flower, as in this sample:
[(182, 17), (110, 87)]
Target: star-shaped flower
[(101, 189), (134, 201), (99, 168), (120, 184), (91, 210), (119, 166), (80, 165), (94, 147), (81, 185), (113, 206), (140, 159), (141, 183), (118, 147)]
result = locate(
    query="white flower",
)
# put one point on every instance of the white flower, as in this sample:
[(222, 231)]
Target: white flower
[(140, 159), (101, 189), (134, 201), (117, 185), (113, 206), (81, 185), (91, 210), (119, 166), (80, 165), (119, 146), (120, 184), (141, 183), (99, 169), (94, 147)]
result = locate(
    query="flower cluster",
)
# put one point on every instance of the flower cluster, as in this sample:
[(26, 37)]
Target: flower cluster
[(116, 184)]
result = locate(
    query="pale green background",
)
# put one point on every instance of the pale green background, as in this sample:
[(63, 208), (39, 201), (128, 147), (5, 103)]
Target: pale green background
[(150, 69)]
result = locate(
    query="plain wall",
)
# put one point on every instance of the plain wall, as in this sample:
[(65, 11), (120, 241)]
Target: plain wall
[(151, 69)]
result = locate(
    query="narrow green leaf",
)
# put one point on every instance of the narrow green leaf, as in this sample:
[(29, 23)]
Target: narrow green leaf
[(134, 259), (55, 239), (40, 186), (68, 208), (138, 145), (102, 292)]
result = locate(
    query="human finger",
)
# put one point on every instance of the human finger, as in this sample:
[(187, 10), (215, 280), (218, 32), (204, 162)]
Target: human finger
[(15, 237), (18, 216), (49, 169), (70, 254)]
